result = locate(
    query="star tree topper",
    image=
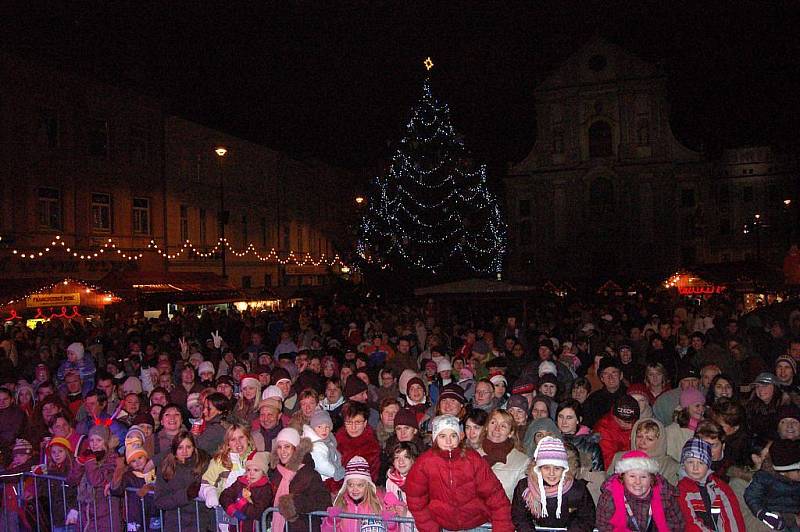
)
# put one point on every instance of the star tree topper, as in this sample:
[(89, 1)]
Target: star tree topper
[(428, 63)]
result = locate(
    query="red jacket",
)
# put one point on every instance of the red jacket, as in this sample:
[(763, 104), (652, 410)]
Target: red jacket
[(365, 446), (456, 490), (613, 438), (729, 518)]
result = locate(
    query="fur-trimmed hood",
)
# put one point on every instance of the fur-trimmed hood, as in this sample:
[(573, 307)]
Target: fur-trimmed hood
[(299, 457)]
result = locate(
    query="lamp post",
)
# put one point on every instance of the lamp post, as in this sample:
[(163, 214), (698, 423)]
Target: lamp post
[(222, 152), (757, 226)]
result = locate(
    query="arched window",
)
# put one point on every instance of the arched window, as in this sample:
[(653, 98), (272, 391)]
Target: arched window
[(601, 192), (600, 140)]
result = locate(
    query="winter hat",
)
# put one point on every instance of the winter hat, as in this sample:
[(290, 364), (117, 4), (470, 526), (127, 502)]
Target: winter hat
[(499, 379), (548, 378), (77, 348), (272, 391), (195, 357), (639, 389), (250, 380), (402, 382), (288, 435), (205, 367), (785, 455), (280, 374), (544, 424), (443, 365), (550, 451), (696, 448), (789, 360), (416, 380), (101, 430), (517, 401), (406, 418), (132, 452), (687, 371), (60, 442), (144, 419), (357, 469), (789, 411), (22, 447), (692, 396), (440, 423), (607, 362), (260, 459), (766, 378), (466, 374), (354, 386), (636, 461), (524, 384), (131, 385), (272, 402), (320, 417), (626, 408), (134, 436), (453, 391), (547, 366), (192, 399)]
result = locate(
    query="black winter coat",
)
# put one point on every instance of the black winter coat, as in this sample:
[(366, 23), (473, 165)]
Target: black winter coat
[(307, 493), (577, 510)]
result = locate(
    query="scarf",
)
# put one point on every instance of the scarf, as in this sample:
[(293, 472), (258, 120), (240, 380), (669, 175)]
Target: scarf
[(278, 521), (396, 477), (533, 497), (620, 518), (693, 424), (149, 473), (497, 452)]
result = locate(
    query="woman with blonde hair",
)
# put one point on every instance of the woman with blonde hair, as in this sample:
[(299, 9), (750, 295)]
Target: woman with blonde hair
[(228, 464), (501, 448), (246, 409)]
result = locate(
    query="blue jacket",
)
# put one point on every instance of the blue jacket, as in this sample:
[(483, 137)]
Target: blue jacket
[(774, 492)]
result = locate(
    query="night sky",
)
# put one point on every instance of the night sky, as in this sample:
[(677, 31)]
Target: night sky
[(334, 79)]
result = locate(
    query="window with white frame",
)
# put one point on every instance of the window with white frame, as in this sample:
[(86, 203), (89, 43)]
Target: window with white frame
[(101, 212), (49, 208)]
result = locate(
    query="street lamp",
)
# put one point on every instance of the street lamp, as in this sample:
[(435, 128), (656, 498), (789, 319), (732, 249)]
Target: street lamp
[(221, 152)]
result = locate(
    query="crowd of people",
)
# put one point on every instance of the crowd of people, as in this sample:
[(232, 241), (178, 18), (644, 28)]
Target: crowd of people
[(637, 414)]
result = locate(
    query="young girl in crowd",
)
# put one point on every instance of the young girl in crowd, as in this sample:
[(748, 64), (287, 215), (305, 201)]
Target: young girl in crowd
[(178, 483), (135, 470), (706, 501), (93, 475), (58, 462), (404, 454), (550, 497), (637, 498), (251, 494), (693, 407), (453, 487), (358, 495)]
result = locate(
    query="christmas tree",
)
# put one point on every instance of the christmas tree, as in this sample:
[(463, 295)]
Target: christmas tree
[(432, 213)]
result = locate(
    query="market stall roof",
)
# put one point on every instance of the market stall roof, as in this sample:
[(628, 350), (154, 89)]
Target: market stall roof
[(738, 276), (198, 288), (476, 287)]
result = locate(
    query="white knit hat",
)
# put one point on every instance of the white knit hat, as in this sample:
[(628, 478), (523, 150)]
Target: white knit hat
[(497, 379), (550, 451), (272, 391), (77, 348), (445, 422), (288, 435), (205, 367), (547, 366), (636, 461), (443, 365)]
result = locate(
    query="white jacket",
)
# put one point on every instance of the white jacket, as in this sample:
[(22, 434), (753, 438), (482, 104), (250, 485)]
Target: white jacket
[(511, 472), (327, 460)]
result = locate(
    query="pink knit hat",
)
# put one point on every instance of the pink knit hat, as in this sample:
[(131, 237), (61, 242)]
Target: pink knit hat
[(692, 396)]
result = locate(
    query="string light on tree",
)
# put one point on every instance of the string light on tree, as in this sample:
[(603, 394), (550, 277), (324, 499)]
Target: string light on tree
[(433, 211)]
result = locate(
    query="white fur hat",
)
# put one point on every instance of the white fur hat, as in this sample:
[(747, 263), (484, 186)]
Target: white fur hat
[(636, 461)]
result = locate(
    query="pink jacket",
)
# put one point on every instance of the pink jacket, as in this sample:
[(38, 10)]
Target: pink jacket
[(355, 525)]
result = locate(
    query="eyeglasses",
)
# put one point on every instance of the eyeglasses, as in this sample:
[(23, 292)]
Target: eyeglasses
[(354, 423)]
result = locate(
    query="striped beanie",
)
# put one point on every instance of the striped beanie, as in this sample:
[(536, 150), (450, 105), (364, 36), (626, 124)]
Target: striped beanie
[(357, 468), (698, 449), (22, 447), (134, 451), (550, 451)]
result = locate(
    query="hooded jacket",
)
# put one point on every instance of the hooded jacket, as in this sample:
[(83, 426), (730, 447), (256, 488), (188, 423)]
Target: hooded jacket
[(613, 438), (667, 466), (306, 494), (456, 490)]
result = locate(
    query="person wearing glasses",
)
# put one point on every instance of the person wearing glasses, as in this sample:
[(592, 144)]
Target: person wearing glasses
[(356, 438)]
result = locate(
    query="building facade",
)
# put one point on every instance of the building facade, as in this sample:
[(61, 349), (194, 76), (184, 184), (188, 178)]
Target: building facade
[(608, 188), (99, 168)]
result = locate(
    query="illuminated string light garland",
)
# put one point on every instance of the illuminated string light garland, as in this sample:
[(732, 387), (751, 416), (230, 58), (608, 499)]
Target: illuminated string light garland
[(87, 287), (433, 209), (58, 245)]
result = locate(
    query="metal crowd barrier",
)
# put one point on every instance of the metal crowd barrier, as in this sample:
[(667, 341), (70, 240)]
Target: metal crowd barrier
[(42, 503)]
